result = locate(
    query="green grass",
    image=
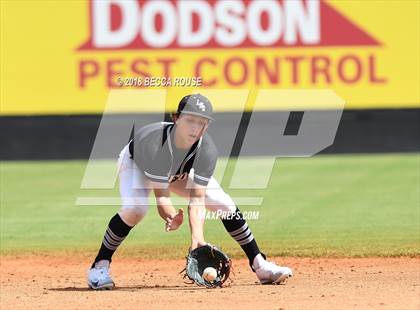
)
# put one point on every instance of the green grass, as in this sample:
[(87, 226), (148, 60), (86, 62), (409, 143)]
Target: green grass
[(348, 205)]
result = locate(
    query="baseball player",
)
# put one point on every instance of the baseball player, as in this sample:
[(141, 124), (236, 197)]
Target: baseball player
[(178, 157)]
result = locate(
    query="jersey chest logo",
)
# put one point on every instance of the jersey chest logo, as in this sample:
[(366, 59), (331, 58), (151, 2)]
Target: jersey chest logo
[(181, 176)]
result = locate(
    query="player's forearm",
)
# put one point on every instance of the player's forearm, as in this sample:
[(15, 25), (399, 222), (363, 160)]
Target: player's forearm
[(196, 220), (164, 203), (165, 207)]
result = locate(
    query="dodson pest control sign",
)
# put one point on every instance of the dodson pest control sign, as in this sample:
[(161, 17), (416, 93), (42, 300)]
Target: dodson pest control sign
[(119, 24), (133, 25)]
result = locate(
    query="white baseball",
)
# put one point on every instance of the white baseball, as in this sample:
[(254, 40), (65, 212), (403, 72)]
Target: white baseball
[(209, 274)]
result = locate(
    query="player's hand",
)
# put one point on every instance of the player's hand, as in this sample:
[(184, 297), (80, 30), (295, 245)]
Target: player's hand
[(174, 221), (196, 244)]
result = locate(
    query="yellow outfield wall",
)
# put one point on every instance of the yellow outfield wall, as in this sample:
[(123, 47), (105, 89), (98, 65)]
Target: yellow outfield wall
[(63, 57)]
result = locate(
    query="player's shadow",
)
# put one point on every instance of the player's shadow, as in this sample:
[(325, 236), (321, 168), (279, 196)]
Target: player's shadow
[(147, 287), (131, 288)]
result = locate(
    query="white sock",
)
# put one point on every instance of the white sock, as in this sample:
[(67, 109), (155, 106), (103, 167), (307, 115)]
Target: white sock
[(258, 261), (102, 263)]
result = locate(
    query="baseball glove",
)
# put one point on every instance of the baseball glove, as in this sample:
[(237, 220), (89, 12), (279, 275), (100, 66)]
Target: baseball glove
[(207, 256)]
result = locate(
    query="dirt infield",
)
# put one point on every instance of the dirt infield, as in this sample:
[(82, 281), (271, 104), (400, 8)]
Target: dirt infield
[(56, 282)]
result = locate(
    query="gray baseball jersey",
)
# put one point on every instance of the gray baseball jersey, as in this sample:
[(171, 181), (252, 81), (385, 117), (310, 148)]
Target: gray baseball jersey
[(154, 152)]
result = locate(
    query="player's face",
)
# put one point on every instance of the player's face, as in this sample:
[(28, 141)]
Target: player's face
[(190, 128)]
